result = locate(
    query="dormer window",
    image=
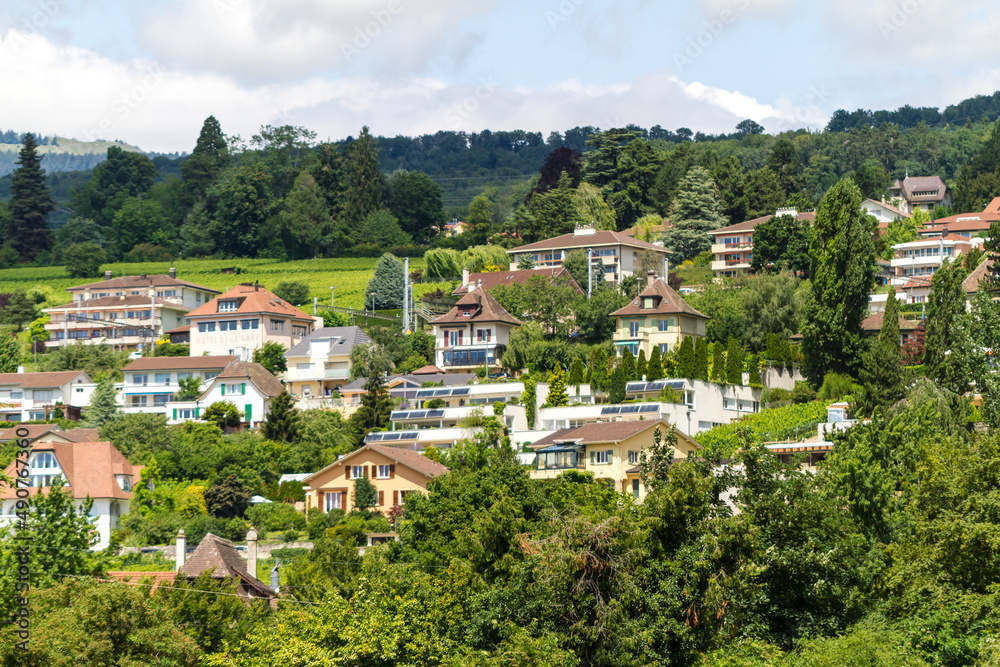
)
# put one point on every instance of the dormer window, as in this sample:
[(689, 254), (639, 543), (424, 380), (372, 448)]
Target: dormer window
[(647, 302), (228, 306)]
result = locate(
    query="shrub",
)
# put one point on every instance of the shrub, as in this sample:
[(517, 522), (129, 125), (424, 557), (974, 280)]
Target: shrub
[(803, 393), (835, 387), (271, 517)]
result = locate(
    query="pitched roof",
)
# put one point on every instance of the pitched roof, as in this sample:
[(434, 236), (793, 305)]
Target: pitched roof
[(601, 238), (183, 329), (873, 323), (493, 279), (252, 299), (90, 468), (179, 363), (482, 308), (152, 580), (428, 370), (971, 283), (138, 282), (257, 374), (348, 338), (912, 184), (669, 302), (446, 379), (747, 225), (81, 434), (42, 380), (35, 431), (598, 433), (407, 457), (889, 207), (132, 300), (219, 556)]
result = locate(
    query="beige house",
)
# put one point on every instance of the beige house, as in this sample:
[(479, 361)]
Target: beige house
[(919, 192), (321, 364), (243, 319), (610, 450), (658, 317), (473, 334), (36, 396), (395, 473)]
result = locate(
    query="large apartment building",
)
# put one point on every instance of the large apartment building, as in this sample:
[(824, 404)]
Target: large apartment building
[(733, 245), (916, 262)]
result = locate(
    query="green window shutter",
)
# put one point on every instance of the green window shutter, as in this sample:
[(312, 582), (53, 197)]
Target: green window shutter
[(175, 413), (223, 388), (592, 457), (197, 412), (248, 412), (611, 454), (243, 389)]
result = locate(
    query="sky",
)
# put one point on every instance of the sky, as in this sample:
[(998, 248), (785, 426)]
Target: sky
[(149, 72)]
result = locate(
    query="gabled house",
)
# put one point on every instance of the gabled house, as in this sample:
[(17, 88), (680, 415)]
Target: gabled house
[(733, 245), (36, 396), (320, 364), (152, 382), (473, 334), (919, 192), (395, 473), (658, 317), (514, 277), (249, 386), (883, 212), (219, 556), (243, 319), (90, 469)]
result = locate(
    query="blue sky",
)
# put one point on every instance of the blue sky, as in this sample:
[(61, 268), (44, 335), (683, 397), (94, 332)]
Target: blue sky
[(149, 72)]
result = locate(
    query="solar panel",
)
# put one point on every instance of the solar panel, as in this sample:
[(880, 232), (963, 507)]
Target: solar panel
[(628, 409), (425, 393), (655, 386), (462, 391), (431, 414), (609, 411), (649, 408), (635, 385)]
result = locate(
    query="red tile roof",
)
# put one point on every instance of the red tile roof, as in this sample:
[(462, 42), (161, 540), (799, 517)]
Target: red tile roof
[(150, 580), (971, 283), (35, 431), (428, 370), (748, 225), (575, 241), (252, 300), (482, 308), (603, 432), (90, 468), (665, 299), (413, 460)]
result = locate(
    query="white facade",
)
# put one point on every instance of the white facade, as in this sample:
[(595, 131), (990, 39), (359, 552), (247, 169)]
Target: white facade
[(149, 389), (252, 403), (23, 399)]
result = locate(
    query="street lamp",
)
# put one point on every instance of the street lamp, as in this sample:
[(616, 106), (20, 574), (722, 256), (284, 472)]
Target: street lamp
[(331, 296)]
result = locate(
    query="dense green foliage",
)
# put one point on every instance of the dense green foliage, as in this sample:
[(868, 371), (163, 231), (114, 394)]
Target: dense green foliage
[(792, 422)]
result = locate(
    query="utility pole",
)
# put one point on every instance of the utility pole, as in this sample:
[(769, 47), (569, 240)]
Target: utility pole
[(590, 271), (406, 293)]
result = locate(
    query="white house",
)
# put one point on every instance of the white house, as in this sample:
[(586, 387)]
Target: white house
[(36, 396), (473, 334), (248, 386), (152, 382)]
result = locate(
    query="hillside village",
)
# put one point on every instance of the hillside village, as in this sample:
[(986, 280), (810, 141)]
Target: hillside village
[(585, 425)]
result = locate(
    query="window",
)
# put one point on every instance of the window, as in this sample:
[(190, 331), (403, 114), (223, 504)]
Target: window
[(403, 494), (664, 348), (162, 378), (633, 327), (237, 388), (633, 348), (600, 458), (197, 297), (333, 500), (139, 379), (454, 338), (160, 400), (210, 376), (635, 488), (633, 457), (138, 402), (185, 413), (167, 293), (357, 471), (665, 325), (647, 302), (228, 306), (42, 396), (303, 367), (298, 331), (206, 327), (277, 325), (484, 335), (184, 376), (44, 460), (138, 314), (249, 324), (36, 416), (229, 325), (384, 472)]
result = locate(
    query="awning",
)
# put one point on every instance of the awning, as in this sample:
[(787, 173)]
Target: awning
[(149, 393), (627, 342), (561, 447)]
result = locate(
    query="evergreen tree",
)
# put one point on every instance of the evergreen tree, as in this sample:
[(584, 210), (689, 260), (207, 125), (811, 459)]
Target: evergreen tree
[(991, 280), (10, 353), (209, 158), (842, 270), (554, 212), (576, 372), (599, 370), (557, 388), (529, 398), (616, 394), (363, 193), (734, 363), (685, 358), (282, 424), (695, 212), (654, 371), (365, 495), (754, 367), (945, 312), (719, 362), (628, 365), (881, 366), (244, 203), (640, 365), (30, 202), (387, 284), (103, 404), (701, 359), (978, 181)]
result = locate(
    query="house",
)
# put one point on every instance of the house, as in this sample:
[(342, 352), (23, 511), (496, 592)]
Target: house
[(220, 557), (964, 224), (883, 212), (395, 473), (249, 386), (454, 228), (151, 382), (35, 433), (659, 317), (89, 469), (872, 325), (916, 262), (609, 450), (919, 192), (971, 284), (733, 245), (36, 396), (473, 334), (616, 253), (180, 335), (127, 312), (243, 319), (320, 364), (514, 277), (404, 387)]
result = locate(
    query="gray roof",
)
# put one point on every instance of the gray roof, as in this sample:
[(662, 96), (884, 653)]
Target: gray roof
[(447, 380), (349, 337)]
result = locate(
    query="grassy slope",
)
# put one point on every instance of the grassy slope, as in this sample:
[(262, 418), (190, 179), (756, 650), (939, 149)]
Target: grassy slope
[(348, 275)]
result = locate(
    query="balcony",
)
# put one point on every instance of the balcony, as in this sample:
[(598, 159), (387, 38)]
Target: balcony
[(730, 264), (301, 375), (912, 262), (723, 248)]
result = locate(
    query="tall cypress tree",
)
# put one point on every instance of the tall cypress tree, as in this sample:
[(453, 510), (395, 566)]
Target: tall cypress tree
[(208, 159), (654, 371), (363, 192), (640, 365), (945, 310), (685, 359), (576, 372), (719, 362), (282, 423), (881, 370), (701, 359), (734, 363), (616, 393), (628, 365), (599, 372), (30, 201)]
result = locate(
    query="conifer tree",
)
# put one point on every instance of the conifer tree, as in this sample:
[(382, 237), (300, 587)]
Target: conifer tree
[(282, 424), (208, 159), (881, 368), (695, 212), (616, 393), (945, 311), (734, 363), (754, 367), (376, 406), (700, 359), (557, 388), (387, 284), (30, 202), (719, 362), (599, 370), (685, 359), (640, 365), (363, 192), (576, 372), (628, 365), (654, 371), (528, 398), (103, 404)]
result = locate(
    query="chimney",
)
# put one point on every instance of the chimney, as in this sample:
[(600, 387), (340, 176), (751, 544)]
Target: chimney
[(465, 276), (650, 277), (173, 272), (20, 369), (181, 549), (252, 553), (142, 276), (107, 275), (256, 286)]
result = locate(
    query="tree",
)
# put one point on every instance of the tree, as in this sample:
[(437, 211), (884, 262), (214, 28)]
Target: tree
[(223, 414), (485, 258), (945, 312), (718, 362), (700, 359), (380, 228), (616, 393), (364, 496), (695, 212), (654, 371), (369, 359), (871, 179), (729, 178), (781, 244), (83, 260), (123, 176), (227, 498), (30, 202), (628, 365), (978, 181), (305, 218), (770, 305), (10, 353), (209, 158), (554, 212), (293, 291), (375, 409), (415, 200), (103, 404), (785, 165), (734, 363), (19, 309), (282, 424), (624, 167), (592, 209), (524, 263), (557, 388), (754, 380), (749, 127), (685, 358), (842, 270), (576, 372), (443, 263), (529, 400), (881, 373), (385, 289), (244, 202), (599, 372), (363, 180), (137, 221), (763, 193), (271, 355)]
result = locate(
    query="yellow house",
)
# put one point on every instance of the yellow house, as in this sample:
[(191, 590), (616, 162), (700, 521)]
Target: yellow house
[(610, 450), (395, 473), (321, 363), (658, 317)]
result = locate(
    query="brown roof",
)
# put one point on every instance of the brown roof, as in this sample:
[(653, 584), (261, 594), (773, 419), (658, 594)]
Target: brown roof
[(428, 370), (35, 431), (889, 207), (964, 222), (179, 363), (574, 241), (873, 323), (81, 434), (407, 457), (257, 374), (90, 468), (912, 184), (221, 558), (120, 301), (971, 283), (600, 432), (183, 329), (666, 299), (152, 580), (482, 308), (252, 299), (493, 279), (139, 282), (747, 225), (42, 380)]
